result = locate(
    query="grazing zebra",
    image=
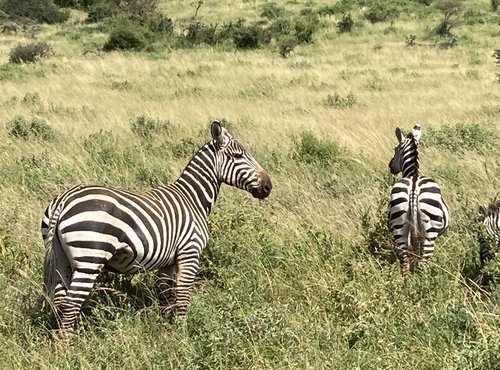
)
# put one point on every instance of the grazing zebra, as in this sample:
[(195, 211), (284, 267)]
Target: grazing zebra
[(490, 216), (90, 228), (417, 212)]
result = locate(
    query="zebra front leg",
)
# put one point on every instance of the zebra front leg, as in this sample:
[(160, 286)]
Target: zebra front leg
[(187, 267), (167, 286), (69, 306)]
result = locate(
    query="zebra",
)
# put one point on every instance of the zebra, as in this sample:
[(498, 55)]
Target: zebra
[(90, 228), (490, 217), (417, 212)]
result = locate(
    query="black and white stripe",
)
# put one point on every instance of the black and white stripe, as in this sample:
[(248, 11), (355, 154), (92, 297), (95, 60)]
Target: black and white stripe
[(89, 228), (490, 217), (417, 212)]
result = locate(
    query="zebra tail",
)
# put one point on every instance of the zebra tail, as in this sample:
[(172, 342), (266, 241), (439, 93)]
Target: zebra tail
[(417, 231), (50, 273)]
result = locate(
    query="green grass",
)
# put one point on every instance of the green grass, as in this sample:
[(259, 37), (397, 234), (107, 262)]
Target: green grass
[(305, 279)]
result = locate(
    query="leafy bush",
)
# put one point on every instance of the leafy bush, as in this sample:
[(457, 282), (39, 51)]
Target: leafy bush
[(451, 9), (161, 24), (100, 10), (337, 101), (201, 33), (317, 151), (463, 136), (376, 234), (29, 53), (496, 55), (345, 24), (249, 37), (286, 45), (43, 11), (272, 10), (305, 27), (326, 10), (146, 127), (37, 128), (127, 35), (382, 12)]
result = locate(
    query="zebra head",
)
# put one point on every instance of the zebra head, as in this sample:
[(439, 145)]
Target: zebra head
[(405, 153), (237, 167)]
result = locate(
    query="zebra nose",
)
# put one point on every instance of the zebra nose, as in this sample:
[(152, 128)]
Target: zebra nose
[(266, 184)]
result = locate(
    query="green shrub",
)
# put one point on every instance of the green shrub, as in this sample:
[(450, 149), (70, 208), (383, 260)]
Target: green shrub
[(249, 37), (43, 11), (161, 25), (496, 55), (451, 9), (463, 136), (201, 33), (337, 101), (286, 45), (127, 35), (146, 127), (305, 27), (326, 10), (272, 10), (377, 237), (345, 24), (316, 151), (29, 53), (37, 128), (100, 10), (381, 12)]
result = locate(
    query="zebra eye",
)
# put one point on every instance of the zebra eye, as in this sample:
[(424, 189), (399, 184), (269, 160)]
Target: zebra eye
[(238, 155)]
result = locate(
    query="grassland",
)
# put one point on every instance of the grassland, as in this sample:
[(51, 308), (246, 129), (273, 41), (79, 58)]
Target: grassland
[(304, 279)]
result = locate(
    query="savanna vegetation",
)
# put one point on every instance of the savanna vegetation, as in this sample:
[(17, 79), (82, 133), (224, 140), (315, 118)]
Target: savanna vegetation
[(121, 93)]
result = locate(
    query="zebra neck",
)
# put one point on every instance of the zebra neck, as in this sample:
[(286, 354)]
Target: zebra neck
[(199, 181), (411, 163)]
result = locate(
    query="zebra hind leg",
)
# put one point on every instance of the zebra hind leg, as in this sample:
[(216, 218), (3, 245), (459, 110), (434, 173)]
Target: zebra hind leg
[(70, 304), (427, 252), (166, 283), (404, 260)]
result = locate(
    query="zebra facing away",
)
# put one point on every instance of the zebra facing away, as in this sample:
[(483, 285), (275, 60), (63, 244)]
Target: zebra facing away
[(90, 228), (417, 212), (490, 216)]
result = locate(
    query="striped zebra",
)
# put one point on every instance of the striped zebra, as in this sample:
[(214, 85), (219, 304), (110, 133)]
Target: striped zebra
[(490, 217), (90, 228), (417, 212)]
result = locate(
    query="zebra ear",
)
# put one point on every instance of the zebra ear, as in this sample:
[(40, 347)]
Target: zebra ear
[(399, 134), (482, 212), (217, 133), (417, 132)]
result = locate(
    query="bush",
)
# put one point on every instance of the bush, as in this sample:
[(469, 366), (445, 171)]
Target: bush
[(378, 13), (317, 151), (450, 9), (338, 101), (463, 136), (345, 24), (305, 27), (29, 53), (37, 128), (249, 37), (100, 10), (43, 11), (496, 55), (200, 33), (127, 35), (286, 45), (161, 24), (146, 127), (272, 11)]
